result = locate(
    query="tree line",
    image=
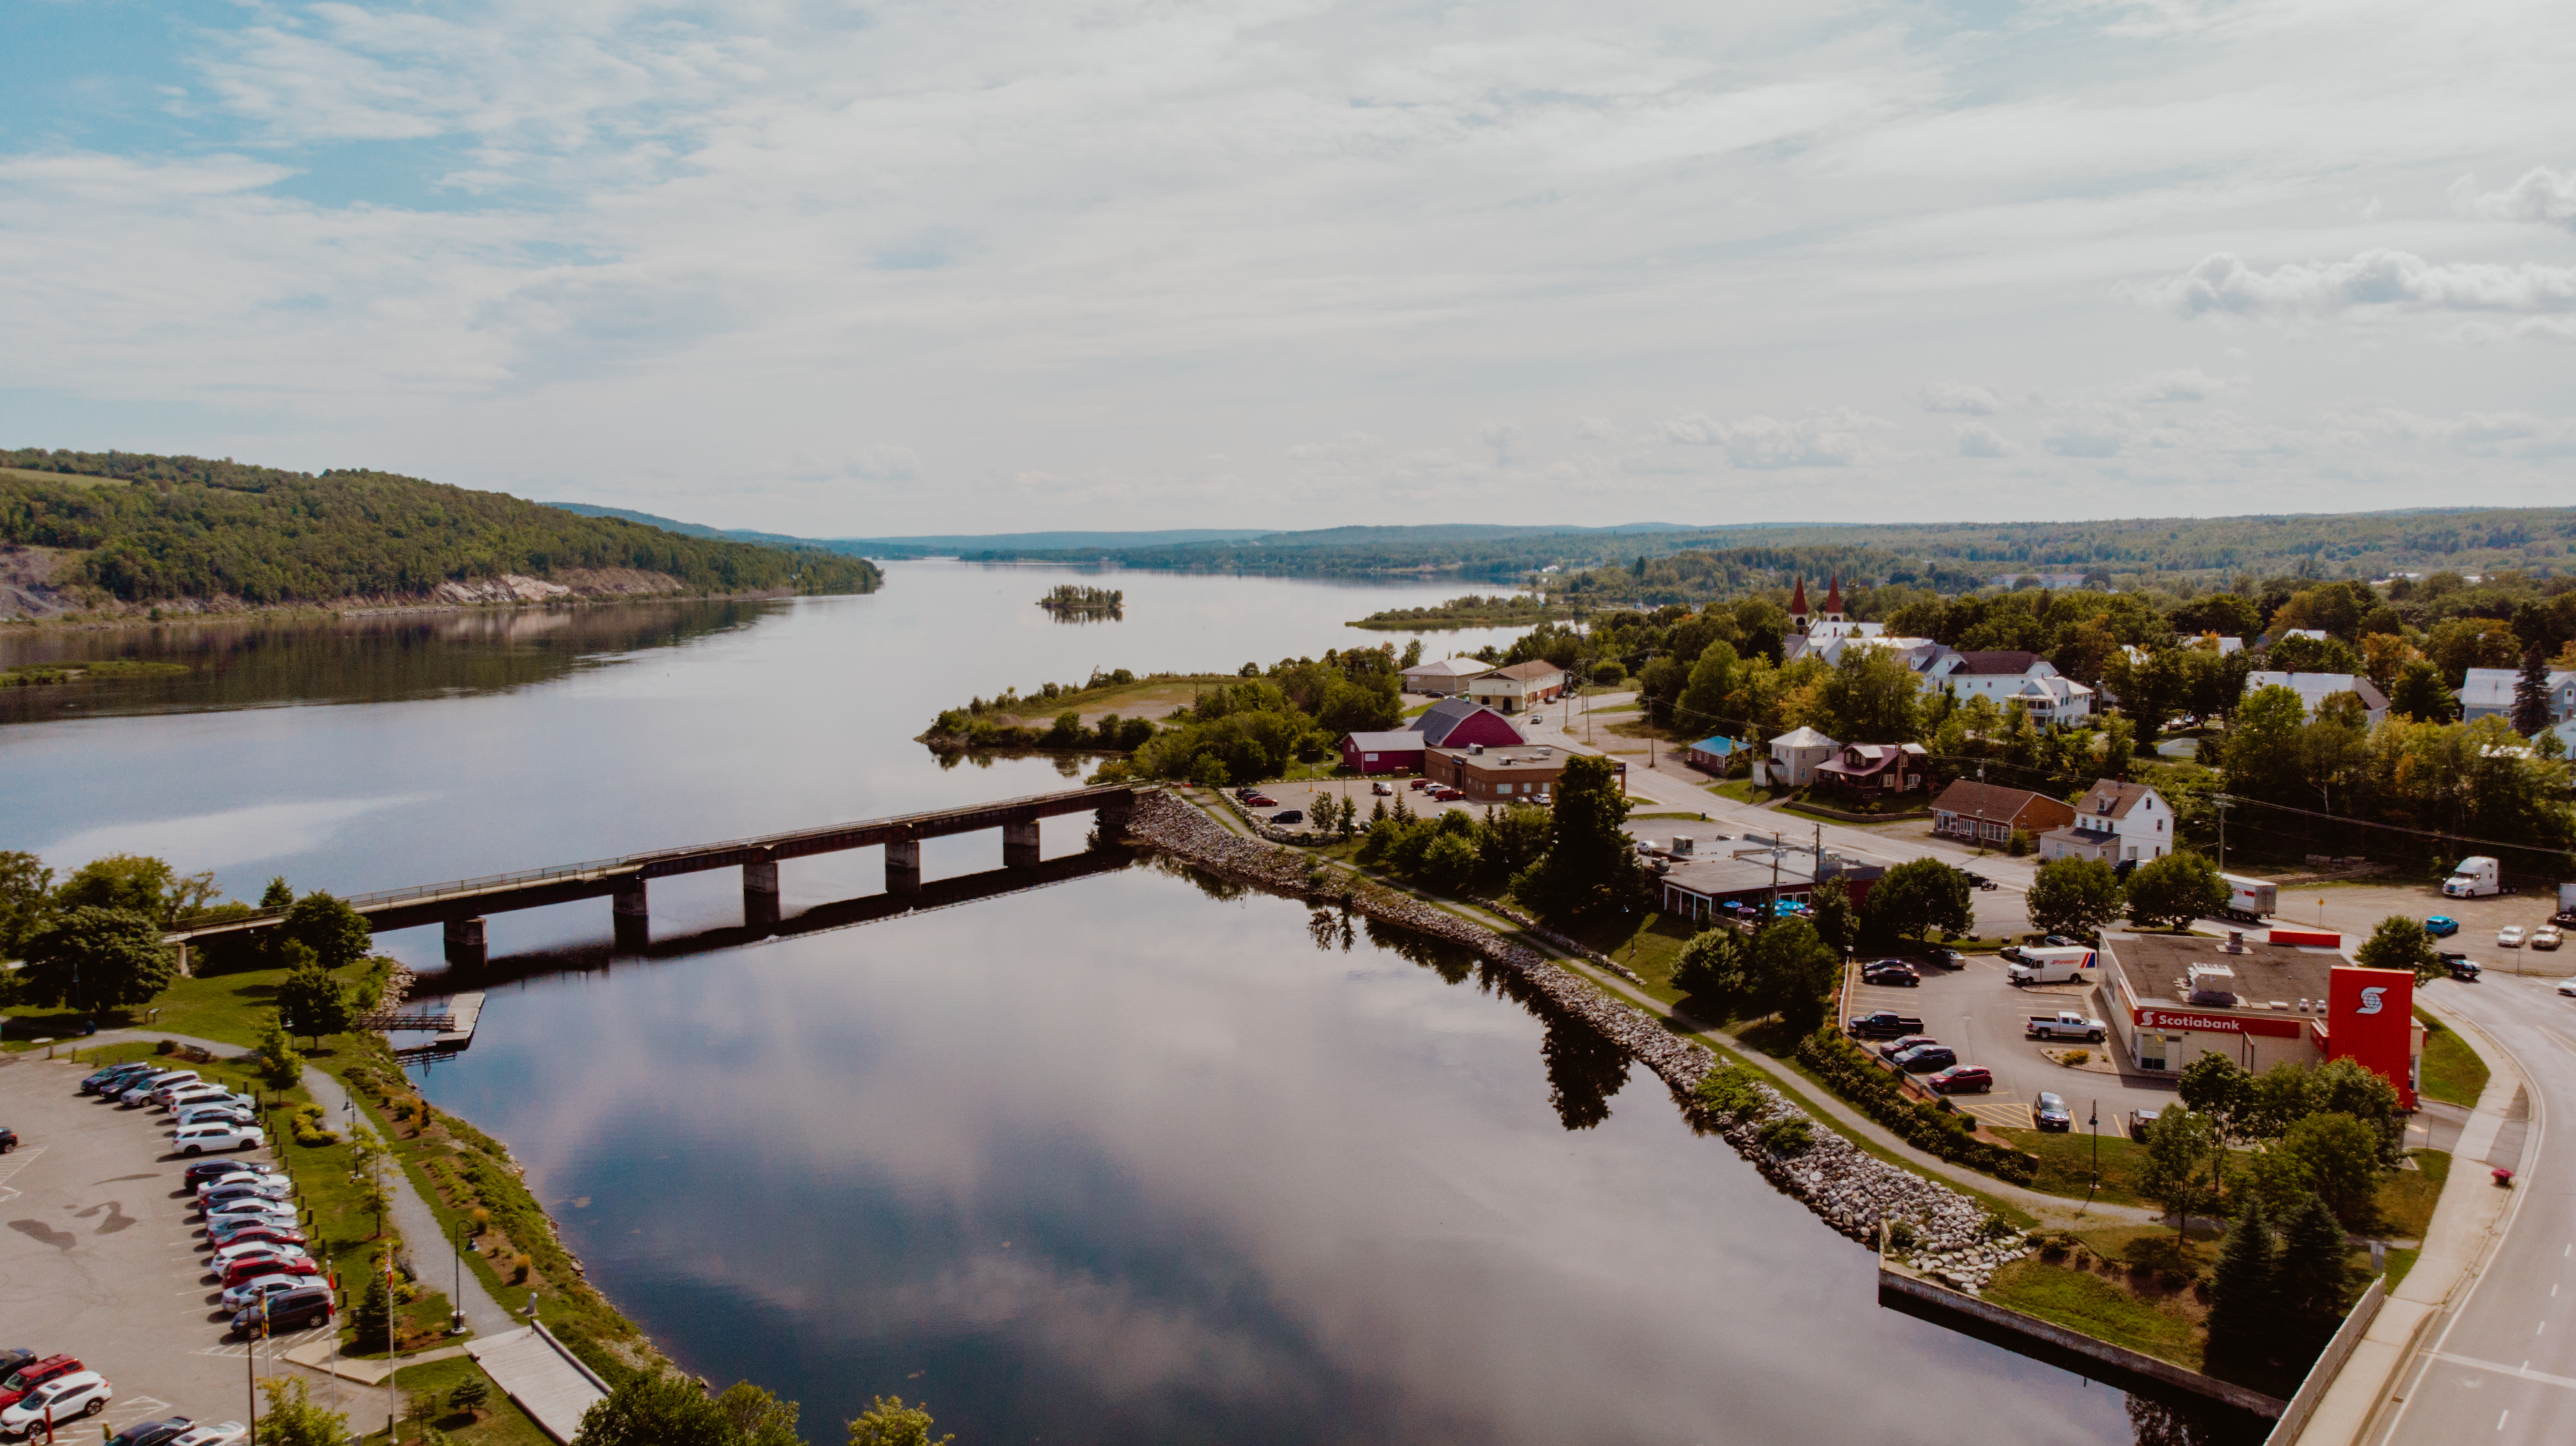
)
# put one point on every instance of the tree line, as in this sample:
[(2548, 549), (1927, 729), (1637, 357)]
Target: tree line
[(181, 527)]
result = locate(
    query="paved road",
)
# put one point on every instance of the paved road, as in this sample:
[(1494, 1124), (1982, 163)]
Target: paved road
[(2501, 1364)]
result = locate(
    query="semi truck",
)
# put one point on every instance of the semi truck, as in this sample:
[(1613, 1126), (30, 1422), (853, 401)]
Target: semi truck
[(2477, 877), (2250, 901)]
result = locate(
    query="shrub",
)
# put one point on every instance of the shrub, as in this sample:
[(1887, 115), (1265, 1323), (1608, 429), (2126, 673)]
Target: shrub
[(2079, 1056), (1730, 1093), (1851, 1074), (1788, 1135), (1900, 1235), (2019, 844)]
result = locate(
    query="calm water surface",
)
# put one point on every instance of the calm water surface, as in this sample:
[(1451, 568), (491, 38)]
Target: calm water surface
[(1129, 1158)]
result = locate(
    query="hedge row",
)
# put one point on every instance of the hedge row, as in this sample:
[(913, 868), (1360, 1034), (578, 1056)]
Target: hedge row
[(1874, 1092)]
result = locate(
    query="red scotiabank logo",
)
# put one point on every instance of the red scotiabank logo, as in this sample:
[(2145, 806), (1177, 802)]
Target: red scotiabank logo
[(2370, 1019)]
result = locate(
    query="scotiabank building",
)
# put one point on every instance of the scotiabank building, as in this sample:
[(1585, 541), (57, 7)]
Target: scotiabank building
[(2290, 999)]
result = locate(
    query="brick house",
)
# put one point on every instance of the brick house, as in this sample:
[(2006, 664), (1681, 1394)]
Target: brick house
[(1502, 775), (1988, 813)]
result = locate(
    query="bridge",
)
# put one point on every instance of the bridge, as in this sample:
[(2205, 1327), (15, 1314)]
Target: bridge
[(461, 905)]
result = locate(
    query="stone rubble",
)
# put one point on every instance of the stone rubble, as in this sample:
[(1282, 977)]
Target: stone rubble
[(1849, 1189)]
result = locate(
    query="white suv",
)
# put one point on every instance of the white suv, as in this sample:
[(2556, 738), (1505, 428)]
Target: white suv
[(82, 1393), (197, 1139)]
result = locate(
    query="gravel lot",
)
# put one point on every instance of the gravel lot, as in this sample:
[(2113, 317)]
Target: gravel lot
[(102, 1257)]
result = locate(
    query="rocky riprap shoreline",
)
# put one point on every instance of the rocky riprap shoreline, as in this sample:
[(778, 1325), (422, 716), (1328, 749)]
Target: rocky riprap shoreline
[(1850, 1190)]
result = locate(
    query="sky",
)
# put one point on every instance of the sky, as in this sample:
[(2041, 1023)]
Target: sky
[(988, 265)]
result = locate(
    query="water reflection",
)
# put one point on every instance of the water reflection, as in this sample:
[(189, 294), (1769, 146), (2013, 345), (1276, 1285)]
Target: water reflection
[(378, 659)]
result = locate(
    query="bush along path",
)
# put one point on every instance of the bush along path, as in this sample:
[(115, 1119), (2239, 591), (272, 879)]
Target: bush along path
[(1851, 1190)]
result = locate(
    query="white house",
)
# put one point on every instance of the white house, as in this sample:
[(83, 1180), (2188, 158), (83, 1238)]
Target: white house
[(2488, 693), (2116, 823), (1794, 756), (2006, 677), (1444, 678), (2315, 688)]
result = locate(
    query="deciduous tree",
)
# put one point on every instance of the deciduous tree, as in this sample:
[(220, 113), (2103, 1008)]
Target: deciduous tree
[(889, 1422), (2074, 896), (337, 934), (1791, 971), (2341, 1156), (2174, 890), (2175, 1175), (309, 1000), (1917, 897), (2400, 942), (97, 959)]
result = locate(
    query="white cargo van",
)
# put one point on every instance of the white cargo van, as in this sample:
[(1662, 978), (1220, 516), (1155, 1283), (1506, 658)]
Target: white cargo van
[(2475, 878), (2055, 965)]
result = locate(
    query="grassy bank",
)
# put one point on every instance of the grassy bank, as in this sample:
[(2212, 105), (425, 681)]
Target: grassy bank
[(2452, 1071)]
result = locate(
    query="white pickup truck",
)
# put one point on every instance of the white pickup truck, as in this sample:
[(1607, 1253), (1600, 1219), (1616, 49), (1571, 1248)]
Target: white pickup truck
[(2065, 1024)]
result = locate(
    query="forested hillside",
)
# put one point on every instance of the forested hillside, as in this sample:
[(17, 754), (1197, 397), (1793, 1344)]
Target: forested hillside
[(1949, 557), (139, 528)]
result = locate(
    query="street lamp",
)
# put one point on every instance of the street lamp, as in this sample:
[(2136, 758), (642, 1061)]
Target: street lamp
[(456, 1297)]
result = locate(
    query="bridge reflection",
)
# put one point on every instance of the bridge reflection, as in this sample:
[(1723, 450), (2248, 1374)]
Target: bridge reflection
[(821, 919)]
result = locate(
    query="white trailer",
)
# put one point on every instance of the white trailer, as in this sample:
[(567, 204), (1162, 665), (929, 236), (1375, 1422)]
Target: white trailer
[(2250, 900)]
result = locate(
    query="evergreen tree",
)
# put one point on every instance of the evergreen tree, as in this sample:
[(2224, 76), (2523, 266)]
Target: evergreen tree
[(309, 1000), (2310, 1278), (2531, 694), (2242, 1308), (1830, 910), (281, 1064), (277, 895), (1590, 868), (374, 1314)]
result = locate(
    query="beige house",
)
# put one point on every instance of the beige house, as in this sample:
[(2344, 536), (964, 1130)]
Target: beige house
[(1522, 685), (1446, 678)]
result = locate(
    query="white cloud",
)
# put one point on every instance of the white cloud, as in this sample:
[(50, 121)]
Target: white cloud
[(222, 840), (2542, 195), (1976, 439), (2375, 281), (2185, 384), (1837, 438), (1961, 397)]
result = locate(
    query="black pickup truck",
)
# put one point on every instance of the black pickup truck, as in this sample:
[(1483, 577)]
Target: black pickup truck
[(1884, 1024)]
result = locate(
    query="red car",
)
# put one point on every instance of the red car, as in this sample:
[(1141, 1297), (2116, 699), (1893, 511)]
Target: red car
[(254, 1268), (265, 1234), (1962, 1079), (1419, 784), (1262, 800), (33, 1374)]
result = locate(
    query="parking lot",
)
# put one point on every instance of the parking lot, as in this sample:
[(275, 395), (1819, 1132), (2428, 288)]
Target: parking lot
[(1981, 1015), (102, 1260)]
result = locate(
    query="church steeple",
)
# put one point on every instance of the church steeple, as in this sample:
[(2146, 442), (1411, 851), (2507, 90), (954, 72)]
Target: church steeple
[(1798, 606), (1833, 612)]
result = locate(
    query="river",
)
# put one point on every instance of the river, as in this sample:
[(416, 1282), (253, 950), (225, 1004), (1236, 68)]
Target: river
[(1131, 1158)]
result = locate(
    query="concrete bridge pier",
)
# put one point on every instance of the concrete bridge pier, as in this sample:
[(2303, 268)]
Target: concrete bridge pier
[(903, 866), (760, 894), (465, 944), (633, 915), (1020, 845), (1109, 824)]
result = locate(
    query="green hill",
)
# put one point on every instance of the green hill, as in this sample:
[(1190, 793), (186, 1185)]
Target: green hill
[(138, 528)]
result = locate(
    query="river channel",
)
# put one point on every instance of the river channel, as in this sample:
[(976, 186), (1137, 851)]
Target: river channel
[(1130, 1158)]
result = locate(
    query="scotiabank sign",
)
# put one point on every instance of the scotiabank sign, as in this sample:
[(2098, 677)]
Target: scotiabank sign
[(2370, 1019), (2220, 1023)]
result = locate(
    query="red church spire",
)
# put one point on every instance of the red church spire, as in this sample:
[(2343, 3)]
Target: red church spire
[(1798, 599), (1834, 594)]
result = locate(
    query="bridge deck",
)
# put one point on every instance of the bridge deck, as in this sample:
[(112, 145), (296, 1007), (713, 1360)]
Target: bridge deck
[(536, 888)]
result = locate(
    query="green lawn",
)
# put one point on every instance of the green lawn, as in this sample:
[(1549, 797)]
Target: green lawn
[(2166, 1327), (2066, 1161), (2407, 1197), (2452, 1070), (503, 1424), (234, 1008)]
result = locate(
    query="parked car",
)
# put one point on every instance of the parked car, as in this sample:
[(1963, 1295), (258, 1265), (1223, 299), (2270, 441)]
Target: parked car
[(277, 1232), (205, 1170), (219, 1223), (2061, 941), (105, 1081), (1962, 1079), (2567, 987), (1945, 958), (1902, 1043), (2051, 1112), (2545, 937), (223, 1196), (2509, 937), (33, 1374), (1895, 973), (1289, 815), (151, 1433), (1882, 1024), (82, 1393), (8, 1139), (1261, 800), (13, 1359), (268, 1235), (182, 1090), (228, 1256), (1419, 784), (1445, 793), (2441, 926), (249, 1292), (229, 1433), (1926, 1058), (197, 1139), (242, 1273), (1382, 788), (292, 1309), (137, 1092), (2142, 1117)]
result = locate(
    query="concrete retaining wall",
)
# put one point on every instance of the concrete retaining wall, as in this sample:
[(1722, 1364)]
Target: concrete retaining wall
[(2321, 1376)]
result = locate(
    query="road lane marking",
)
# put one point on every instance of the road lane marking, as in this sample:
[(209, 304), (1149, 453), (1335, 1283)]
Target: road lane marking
[(2523, 1372), (2500, 1420)]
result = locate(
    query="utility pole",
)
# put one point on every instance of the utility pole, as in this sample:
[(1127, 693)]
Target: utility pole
[(2222, 803)]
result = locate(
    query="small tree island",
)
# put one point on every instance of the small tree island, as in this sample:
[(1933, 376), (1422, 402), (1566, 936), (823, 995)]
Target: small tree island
[(1069, 603)]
